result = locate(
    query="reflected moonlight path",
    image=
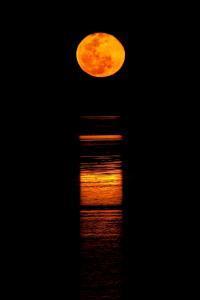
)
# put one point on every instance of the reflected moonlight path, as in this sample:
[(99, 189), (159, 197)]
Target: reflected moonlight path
[(101, 252), (101, 217)]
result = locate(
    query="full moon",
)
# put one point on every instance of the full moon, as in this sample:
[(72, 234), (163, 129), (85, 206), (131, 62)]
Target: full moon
[(100, 54)]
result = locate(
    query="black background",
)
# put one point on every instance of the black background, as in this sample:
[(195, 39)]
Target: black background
[(54, 92), (135, 93)]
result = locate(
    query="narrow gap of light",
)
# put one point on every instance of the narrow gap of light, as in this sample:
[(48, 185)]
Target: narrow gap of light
[(110, 137)]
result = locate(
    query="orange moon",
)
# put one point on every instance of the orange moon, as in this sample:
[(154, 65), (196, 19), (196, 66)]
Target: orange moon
[(100, 54)]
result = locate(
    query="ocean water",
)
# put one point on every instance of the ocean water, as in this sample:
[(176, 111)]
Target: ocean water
[(101, 254), (102, 215)]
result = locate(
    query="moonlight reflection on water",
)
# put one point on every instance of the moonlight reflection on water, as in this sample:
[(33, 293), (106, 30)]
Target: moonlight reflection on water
[(101, 215)]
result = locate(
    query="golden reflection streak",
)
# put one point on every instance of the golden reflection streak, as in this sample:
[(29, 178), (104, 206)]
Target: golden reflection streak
[(101, 188), (102, 137)]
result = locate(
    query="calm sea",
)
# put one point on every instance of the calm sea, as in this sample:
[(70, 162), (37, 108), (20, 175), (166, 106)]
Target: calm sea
[(102, 216)]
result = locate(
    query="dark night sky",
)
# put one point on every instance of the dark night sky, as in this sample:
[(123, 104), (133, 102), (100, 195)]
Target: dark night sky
[(123, 91), (140, 91), (56, 93), (108, 94), (98, 95)]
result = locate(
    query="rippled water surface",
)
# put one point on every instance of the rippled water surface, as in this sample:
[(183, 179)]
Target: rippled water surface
[(101, 215)]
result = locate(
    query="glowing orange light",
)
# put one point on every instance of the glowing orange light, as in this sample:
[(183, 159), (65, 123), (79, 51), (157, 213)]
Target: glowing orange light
[(100, 55), (101, 188), (110, 137)]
